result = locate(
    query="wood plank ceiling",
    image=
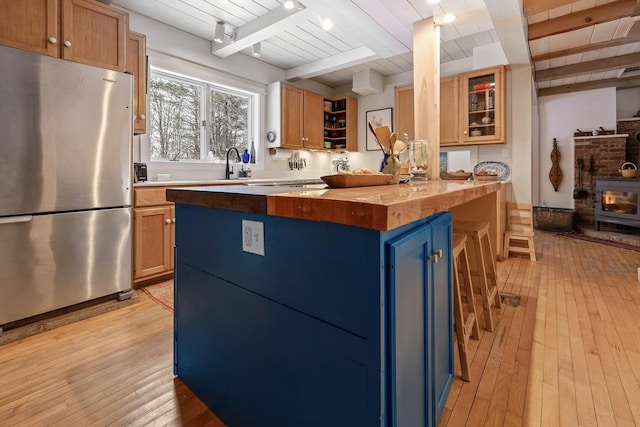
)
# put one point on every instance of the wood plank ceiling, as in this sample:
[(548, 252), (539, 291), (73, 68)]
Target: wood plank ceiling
[(367, 34), (581, 45), (574, 45)]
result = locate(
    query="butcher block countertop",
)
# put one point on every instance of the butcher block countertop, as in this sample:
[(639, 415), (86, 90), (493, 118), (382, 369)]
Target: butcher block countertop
[(381, 208)]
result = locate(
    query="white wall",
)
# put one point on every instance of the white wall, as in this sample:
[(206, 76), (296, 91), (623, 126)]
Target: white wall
[(559, 117), (627, 102), (181, 52)]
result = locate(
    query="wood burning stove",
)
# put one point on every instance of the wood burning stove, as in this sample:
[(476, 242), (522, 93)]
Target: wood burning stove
[(617, 201)]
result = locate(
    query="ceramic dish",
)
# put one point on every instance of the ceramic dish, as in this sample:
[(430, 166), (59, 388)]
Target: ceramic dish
[(498, 168), (351, 180)]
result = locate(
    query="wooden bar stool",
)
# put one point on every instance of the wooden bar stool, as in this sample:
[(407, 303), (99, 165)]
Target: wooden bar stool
[(466, 321), (484, 271)]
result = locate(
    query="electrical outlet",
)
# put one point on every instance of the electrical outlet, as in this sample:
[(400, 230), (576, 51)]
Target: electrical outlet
[(253, 237)]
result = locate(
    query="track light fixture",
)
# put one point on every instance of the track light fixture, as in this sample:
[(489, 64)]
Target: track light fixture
[(218, 35), (255, 50)]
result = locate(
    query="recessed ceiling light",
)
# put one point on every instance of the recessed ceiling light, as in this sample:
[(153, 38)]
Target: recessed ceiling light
[(448, 18), (289, 4), (326, 24), (433, 1)]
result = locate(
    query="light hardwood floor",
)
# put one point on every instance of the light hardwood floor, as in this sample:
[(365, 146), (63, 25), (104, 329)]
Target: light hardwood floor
[(567, 355)]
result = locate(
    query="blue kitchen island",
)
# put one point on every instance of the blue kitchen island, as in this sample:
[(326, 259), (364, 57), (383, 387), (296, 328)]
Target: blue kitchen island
[(323, 307)]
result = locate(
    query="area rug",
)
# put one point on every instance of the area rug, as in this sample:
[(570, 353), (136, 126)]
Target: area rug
[(575, 235), (162, 293)]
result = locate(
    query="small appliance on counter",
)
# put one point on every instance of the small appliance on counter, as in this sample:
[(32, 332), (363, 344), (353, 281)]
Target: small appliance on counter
[(140, 170)]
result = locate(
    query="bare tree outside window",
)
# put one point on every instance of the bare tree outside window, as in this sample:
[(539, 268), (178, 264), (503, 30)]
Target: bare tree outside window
[(228, 123), (194, 120), (175, 120)]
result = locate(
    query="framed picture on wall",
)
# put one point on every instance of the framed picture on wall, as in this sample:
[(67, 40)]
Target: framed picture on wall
[(377, 118)]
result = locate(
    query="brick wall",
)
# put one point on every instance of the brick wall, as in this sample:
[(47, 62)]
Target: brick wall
[(608, 154), (632, 128)]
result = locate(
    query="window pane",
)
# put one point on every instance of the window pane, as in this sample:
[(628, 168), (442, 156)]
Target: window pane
[(175, 119), (228, 123)]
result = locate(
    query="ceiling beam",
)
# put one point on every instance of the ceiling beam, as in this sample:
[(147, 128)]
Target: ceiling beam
[(583, 18), (587, 48), (333, 63), (509, 25), (532, 7), (598, 84), (268, 25), (589, 67)]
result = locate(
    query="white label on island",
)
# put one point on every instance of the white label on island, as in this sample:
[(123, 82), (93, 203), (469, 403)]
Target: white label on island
[(253, 237)]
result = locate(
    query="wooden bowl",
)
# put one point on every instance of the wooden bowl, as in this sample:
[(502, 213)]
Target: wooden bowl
[(456, 175)]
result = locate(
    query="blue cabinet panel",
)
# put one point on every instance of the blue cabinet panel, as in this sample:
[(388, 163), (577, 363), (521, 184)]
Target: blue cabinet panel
[(420, 319), (327, 270), (407, 302), (334, 325), (442, 319), (258, 363)]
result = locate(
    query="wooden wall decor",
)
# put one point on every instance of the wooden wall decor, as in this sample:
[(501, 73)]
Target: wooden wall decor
[(555, 174)]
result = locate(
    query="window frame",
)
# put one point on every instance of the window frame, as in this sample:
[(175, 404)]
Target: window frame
[(253, 116)]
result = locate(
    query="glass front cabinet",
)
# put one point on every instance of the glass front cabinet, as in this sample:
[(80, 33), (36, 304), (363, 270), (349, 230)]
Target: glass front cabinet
[(483, 106)]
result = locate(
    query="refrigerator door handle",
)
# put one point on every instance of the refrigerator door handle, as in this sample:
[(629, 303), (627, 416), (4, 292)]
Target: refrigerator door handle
[(16, 219)]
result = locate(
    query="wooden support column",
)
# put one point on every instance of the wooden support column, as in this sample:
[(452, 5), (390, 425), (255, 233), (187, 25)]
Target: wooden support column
[(426, 89)]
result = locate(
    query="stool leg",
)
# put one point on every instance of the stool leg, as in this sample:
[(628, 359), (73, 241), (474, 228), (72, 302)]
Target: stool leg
[(463, 328), (471, 298), (482, 280), (492, 273), (532, 249)]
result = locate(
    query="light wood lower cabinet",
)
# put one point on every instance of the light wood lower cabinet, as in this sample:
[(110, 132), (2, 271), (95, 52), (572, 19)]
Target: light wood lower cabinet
[(154, 226)]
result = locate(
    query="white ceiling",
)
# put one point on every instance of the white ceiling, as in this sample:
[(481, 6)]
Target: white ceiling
[(367, 34), (587, 43)]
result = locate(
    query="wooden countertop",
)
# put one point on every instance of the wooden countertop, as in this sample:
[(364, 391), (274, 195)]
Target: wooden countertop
[(382, 207)]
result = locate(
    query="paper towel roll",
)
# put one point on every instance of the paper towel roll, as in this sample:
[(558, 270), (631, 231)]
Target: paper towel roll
[(280, 154)]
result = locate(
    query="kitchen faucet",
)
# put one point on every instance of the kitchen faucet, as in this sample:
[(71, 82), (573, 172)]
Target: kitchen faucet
[(228, 172)]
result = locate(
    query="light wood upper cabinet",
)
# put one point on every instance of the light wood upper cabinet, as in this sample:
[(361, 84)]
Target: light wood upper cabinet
[(483, 106), (301, 115), (137, 65), (32, 25), (84, 31), (471, 108), (302, 119), (340, 123), (404, 122), (449, 110)]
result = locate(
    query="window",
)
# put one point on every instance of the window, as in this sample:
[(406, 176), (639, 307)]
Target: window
[(196, 120)]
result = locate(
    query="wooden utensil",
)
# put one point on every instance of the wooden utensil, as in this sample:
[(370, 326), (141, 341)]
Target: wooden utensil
[(383, 133), (373, 131), (392, 143)]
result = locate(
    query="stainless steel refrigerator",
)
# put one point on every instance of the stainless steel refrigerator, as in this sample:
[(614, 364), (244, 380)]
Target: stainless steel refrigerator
[(65, 183)]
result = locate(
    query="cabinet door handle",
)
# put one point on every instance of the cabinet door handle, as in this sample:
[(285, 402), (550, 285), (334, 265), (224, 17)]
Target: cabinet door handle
[(53, 40), (465, 132), (436, 256), (142, 117), (67, 43), (173, 220), (168, 220)]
